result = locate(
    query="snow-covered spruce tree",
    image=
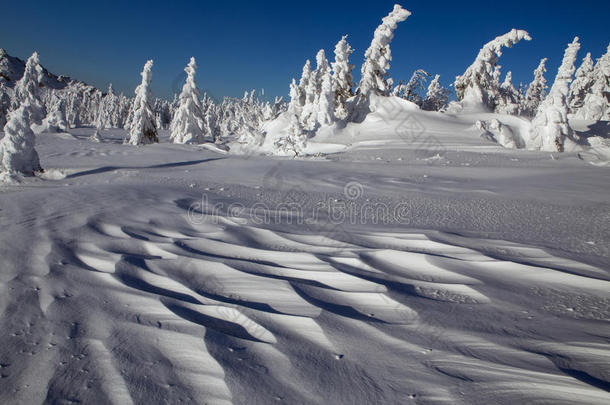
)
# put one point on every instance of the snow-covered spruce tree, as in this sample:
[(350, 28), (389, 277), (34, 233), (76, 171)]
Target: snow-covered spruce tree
[(343, 81), (509, 100), (17, 148), (55, 121), (326, 102), (309, 114), (307, 117), (436, 97), (416, 85), (5, 104), (596, 106), (378, 56), (322, 68), (584, 79), (162, 111), (188, 124), (101, 121), (294, 143), (125, 104), (304, 82), (28, 88), (479, 85), (550, 126), (279, 106), (294, 106), (72, 112), (142, 129), (211, 121), (111, 108), (536, 91)]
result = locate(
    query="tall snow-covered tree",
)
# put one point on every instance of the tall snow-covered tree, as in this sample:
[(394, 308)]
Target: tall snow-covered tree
[(313, 91), (479, 85), (304, 82), (5, 103), (596, 105), (28, 88), (322, 68), (536, 91), (188, 124), (584, 79), (73, 107), (294, 107), (326, 103), (343, 81), (111, 109), (17, 148), (436, 97), (550, 126), (142, 129), (378, 56), (163, 111), (509, 100), (125, 104)]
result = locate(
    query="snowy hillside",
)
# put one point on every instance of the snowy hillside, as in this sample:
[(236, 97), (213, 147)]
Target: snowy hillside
[(379, 242)]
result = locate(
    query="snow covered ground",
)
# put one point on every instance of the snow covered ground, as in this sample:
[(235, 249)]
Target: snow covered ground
[(422, 264)]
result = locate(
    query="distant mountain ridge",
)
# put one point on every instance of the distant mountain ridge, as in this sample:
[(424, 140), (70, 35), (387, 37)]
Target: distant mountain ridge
[(12, 68)]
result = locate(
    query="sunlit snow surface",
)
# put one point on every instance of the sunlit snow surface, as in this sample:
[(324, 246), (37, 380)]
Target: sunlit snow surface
[(164, 274)]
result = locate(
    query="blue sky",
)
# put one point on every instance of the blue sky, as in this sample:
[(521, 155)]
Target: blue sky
[(243, 45)]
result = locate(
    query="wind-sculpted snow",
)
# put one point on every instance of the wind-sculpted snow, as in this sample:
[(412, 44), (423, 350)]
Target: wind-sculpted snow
[(149, 306)]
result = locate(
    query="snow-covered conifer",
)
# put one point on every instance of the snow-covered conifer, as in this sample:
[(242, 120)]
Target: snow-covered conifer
[(416, 85), (295, 98), (550, 126), (294, 143), (142, 129), (378, 55), (479, 85), (111, 109), (27, 88), (596, 105), (279, 106), (309, 114), (536, 91), (304, 82), (322, 68), (125, 104), (343, 81), (509, 100), (188, 124), (326, 103), (5, 104), (436, 97), (17, 148), (584, 79), (73, 109), (55, 121)]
